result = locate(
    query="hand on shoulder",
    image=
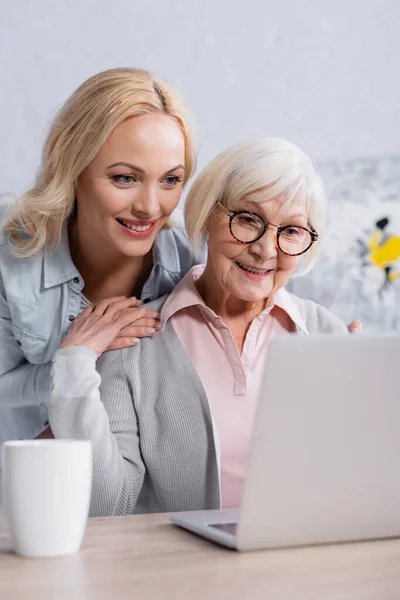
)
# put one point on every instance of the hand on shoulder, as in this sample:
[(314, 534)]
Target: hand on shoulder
[(112, 324)]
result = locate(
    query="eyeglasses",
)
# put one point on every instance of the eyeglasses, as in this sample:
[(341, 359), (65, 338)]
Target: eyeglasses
[(247, 227)]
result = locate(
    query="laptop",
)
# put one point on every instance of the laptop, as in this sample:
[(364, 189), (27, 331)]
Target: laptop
[(324, 464)]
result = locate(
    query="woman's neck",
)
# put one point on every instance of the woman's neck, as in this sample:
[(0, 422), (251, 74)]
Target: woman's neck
[(237, 314), (224, 304), (106, 272)]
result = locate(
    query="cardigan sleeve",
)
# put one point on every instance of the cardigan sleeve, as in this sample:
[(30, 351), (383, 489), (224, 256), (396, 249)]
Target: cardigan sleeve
[(76, 411), (318, 319)]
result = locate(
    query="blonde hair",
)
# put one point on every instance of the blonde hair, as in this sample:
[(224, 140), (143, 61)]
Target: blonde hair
[(272, 167), (79, 131)]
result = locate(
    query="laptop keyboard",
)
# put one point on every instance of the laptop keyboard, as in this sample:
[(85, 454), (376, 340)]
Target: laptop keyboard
[(228, 527)]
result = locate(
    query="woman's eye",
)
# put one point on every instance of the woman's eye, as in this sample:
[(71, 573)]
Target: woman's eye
[(172, 180), (247, 220), (123, 179), (294, 232)]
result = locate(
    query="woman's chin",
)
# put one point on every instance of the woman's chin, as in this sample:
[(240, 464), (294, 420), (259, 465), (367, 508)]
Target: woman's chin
[(253, 293), (135, 247), (254, 288)]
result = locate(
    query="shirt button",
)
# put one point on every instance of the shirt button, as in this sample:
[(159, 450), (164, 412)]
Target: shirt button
[(71, 318), (76, 279), (146, 300)]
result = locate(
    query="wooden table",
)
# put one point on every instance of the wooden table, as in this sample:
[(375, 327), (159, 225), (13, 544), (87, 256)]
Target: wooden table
[(144, 557)]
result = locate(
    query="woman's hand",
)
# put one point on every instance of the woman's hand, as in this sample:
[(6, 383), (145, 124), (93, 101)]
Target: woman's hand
[(143, 327), (99, 327), (355, 327)]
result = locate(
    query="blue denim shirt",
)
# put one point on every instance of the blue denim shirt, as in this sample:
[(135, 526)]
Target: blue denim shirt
[(39, 297)]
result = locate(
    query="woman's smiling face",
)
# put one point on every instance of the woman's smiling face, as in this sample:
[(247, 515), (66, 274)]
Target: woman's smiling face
[(129, 190), (252, 272)]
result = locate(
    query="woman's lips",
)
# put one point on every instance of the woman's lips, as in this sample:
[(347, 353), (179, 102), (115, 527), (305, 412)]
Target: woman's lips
[(253, 273), (136, 228)]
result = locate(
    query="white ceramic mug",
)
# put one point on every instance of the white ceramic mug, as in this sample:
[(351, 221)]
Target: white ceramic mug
[(46, 487)]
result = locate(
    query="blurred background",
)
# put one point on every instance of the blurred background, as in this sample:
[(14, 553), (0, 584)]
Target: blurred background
[(322, 74)]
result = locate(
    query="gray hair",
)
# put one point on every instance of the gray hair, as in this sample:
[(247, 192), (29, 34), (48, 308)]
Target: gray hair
[(275, 169)]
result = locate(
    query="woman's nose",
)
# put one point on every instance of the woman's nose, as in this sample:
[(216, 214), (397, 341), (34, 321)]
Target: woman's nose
[(146, 202), (266, 246)]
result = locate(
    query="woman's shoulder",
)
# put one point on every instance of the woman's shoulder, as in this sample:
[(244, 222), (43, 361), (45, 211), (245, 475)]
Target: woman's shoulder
[(21, 278), (317, 318), (7, 208), (7, 202), (137, 359)]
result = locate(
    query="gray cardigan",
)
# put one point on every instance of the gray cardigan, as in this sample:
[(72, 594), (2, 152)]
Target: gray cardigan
[(154, 443)]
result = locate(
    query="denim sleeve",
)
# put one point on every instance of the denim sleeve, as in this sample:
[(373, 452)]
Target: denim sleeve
[(21, 383)]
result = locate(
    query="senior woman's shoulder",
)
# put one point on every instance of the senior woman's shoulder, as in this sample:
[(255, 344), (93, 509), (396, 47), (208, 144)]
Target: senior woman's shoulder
[(317, 318), (110, 358), (146, 354)]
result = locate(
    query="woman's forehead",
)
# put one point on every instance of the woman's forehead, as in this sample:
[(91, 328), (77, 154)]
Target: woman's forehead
[(279, 207)]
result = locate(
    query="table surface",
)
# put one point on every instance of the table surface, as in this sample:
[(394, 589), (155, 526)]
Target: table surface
[(145, 557)]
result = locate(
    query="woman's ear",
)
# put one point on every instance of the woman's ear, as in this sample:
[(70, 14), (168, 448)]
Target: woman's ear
[(210, 220)]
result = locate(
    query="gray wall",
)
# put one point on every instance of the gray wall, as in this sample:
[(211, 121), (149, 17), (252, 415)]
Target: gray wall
[(322, 73)]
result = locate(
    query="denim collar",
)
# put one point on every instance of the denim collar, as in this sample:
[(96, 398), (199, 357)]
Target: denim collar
[(58, 265)]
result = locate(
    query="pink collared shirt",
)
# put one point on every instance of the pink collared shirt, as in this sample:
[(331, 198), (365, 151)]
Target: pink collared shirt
[(231, 381)]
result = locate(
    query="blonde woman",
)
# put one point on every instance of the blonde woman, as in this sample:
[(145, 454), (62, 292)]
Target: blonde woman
[(95, 226), (172, 428)]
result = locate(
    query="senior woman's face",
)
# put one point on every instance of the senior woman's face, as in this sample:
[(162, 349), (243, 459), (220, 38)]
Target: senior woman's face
[(131, 187), (252, 272)]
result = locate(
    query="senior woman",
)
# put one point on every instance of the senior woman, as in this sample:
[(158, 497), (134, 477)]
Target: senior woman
[(170, 419)]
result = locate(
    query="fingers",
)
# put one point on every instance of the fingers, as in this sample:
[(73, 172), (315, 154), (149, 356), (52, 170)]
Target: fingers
[(136, 323), (84, 314), (122, 342), (100, 308), (128, 306), (112, 306), (355, 327), (131, 316), (153, 317), (82, 320), (148, 317), (149, 314), (115, 304), (111, 311), (140, 331), (131, 329)]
